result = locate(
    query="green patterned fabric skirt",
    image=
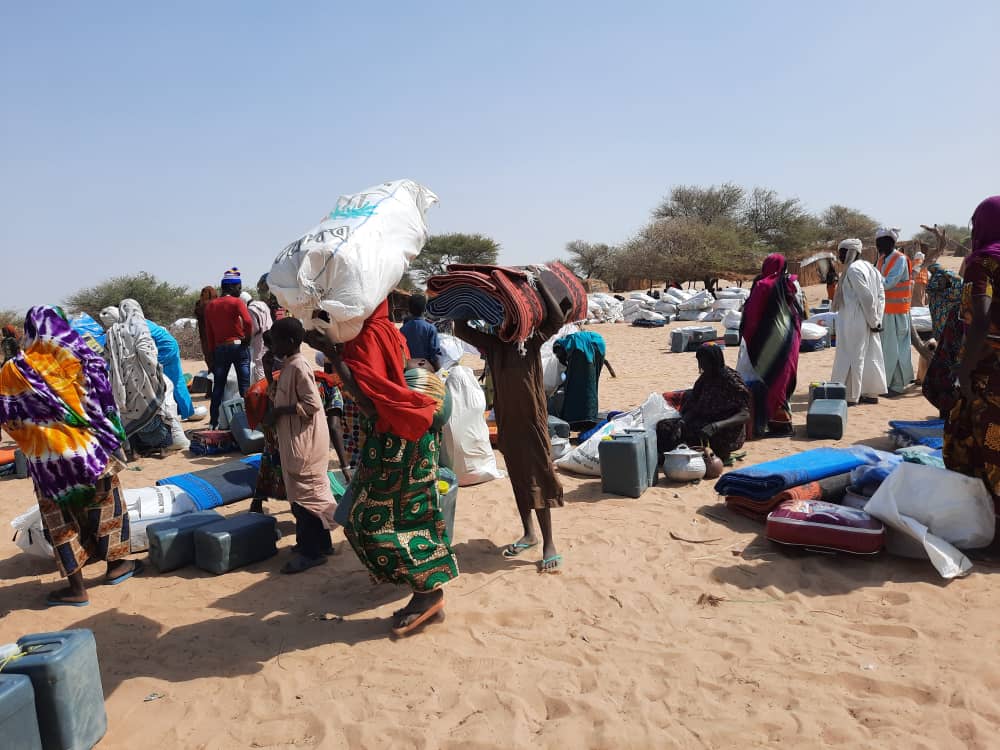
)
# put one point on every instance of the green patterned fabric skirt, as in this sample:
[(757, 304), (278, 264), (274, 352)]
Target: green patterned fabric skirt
[(396, 526)]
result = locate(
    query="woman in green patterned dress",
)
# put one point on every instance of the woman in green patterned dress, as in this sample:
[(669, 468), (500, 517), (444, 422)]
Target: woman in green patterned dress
[(395, 524)]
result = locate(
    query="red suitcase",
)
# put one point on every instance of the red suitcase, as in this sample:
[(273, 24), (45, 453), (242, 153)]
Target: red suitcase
[(825, 526)]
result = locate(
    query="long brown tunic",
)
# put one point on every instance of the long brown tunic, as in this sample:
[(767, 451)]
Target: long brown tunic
[(521, 415), (304, 440)]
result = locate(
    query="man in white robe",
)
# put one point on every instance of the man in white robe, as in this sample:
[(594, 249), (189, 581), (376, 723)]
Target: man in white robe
[(860, 307)]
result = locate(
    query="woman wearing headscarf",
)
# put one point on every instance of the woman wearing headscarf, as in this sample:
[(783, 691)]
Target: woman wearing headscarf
[(395, 523), (860, 307), (208, 293), (56, 403), (972, 430), (944, 297), (143, 394), (714, 412), (771, 329)]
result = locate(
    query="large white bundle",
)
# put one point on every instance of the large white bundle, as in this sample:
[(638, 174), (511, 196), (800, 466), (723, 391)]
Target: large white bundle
[(465, 440), (732, 319), (643, 297), (650, 315), (584, 459), (29, 534), (701, 301), (941, 510), (184, 324), (665, 307), (813, 332), (733, 292), (151, 504), (728, 303), (692, 315), (348, 264), (921, 319), (713, 316), (452, 350), (679, 295)]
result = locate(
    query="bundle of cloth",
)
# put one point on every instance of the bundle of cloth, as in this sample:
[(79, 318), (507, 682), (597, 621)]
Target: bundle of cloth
[(505, 297), (928, 432), (829, 489), (765, 481), (228, 483)]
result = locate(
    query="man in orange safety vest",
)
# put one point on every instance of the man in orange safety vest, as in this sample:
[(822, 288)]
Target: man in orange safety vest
[(897, 277)]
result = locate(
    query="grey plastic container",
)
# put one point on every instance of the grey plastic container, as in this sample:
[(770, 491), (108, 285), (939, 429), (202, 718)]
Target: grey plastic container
[(679, 341), (558, 427), (652, 454), (234, 542), (171, 542), (830, 390), (249, 440), (623, 465), (732, 337), (18, 720), (827, 419), (449, 500), (69, 697)]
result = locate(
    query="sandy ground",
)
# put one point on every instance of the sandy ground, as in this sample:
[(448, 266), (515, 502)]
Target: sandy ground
[(804, 651)]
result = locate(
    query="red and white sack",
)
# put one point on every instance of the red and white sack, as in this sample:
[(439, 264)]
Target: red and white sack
[(349, 263)]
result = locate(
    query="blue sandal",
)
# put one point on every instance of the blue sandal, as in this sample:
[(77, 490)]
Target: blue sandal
[(557, 568), (137, 567), (516, 548)]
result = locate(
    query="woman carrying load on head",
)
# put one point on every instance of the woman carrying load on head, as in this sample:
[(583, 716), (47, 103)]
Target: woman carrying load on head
[(771, 329), (56, 403), (972, 430), (395, 523)]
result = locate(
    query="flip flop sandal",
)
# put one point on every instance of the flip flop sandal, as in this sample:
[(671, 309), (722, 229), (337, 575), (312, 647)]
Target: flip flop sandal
[(50, 602), (557, 568), (515, 549), (436, 609), (137, 567)]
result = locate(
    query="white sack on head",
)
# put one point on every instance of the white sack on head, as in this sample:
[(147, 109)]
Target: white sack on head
[(349, 263)]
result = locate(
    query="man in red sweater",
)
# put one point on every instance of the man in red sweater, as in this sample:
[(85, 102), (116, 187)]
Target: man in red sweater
[(228, 327)]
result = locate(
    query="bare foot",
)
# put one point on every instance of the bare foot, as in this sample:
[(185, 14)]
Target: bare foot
[(68, 595)]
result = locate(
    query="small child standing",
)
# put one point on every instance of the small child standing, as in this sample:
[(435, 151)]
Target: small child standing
[(299, 417)]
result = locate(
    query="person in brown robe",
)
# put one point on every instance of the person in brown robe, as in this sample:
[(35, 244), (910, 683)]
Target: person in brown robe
[(522, 428), (299, 416)]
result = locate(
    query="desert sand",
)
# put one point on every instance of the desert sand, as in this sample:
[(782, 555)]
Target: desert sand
[(803, 651)]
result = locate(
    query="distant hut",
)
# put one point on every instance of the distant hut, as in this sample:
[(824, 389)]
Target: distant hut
[(595, 285), (813, 266)]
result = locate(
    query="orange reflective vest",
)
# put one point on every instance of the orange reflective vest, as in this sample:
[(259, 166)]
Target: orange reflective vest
[(897, 299)]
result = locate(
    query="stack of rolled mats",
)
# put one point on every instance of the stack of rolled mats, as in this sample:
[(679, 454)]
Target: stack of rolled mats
[(505, 297), (830, 489)]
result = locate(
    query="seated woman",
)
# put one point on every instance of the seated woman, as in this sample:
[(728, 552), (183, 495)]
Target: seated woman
[(714, 412)]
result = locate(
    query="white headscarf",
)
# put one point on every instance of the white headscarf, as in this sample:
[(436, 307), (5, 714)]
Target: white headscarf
[(111, 315), (887, 232), (853, 248), (246, 297)]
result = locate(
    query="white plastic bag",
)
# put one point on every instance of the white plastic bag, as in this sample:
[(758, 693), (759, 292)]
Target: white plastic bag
[(813, 332), (465, 442), (941, 509), (348, 264), (452, 351), (29, 534), (552, 368), (151, 504), (732, 319), (584, 459)]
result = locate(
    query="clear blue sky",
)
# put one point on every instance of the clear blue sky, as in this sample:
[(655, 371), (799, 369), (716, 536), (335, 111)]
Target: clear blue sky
[(183, 138)]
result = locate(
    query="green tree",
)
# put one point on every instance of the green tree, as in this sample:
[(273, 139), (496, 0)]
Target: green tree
[(591, 260), (442, 250), (781, 224), (161, 301), (687, 249), (707, 205), (840, 223)]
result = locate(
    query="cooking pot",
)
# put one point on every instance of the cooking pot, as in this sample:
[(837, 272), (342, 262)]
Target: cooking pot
[(684, 464), (713, 464)]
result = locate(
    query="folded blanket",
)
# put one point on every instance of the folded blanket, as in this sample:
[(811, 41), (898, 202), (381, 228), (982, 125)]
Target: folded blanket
[(830, 490), (466, 303), (567, 290), (766, 480), (929, 432), (220, 485)]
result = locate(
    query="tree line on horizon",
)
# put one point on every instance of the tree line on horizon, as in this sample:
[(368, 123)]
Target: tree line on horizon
[(694, 234)]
